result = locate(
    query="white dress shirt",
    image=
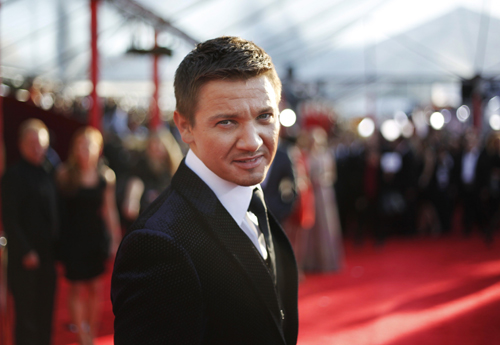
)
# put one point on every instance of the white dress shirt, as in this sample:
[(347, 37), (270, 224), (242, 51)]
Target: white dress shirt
[(234, 198)]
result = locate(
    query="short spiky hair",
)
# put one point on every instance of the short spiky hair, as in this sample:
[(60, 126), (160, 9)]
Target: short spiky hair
[(226, 57)]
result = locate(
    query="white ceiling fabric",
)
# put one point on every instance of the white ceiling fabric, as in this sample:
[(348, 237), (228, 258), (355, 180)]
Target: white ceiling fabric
[(343, 43)]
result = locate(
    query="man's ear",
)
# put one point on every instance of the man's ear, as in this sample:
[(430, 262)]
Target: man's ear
[(184, 127)]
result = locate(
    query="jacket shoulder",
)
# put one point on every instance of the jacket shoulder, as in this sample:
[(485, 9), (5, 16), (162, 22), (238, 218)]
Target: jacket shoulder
[(12, 171), (154, 279), (169, 209), (14, 178)]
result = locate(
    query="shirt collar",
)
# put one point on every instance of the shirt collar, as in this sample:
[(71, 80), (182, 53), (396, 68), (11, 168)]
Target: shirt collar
[(233, 197)]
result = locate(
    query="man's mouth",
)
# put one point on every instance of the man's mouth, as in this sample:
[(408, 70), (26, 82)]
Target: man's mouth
[(249, 162)]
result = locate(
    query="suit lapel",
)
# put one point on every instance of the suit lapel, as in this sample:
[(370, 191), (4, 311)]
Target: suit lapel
[(238, 246)]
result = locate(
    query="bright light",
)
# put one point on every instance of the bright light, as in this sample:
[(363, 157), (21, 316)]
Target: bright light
[(18, 80), (366, 127), (391, 162), (47, 101), (494, 104), (288, 118), (463, 113), (437, 120), (445, 94), (43, 136), (407, 130), (401, 118), (22, 95), (390, 130), (495, 122), (447, 115), (4, 90)]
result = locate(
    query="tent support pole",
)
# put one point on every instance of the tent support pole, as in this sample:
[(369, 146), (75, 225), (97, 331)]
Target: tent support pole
[(95, 111), (155, 120)]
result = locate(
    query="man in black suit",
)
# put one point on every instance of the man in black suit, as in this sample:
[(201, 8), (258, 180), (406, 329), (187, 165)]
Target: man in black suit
[(279, 185), (198, 267), (30, 219)]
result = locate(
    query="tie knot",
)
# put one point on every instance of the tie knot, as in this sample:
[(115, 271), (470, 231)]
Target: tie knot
[(257, 204)]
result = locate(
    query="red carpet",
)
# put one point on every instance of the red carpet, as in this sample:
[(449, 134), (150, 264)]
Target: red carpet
[(420, 291), (62, 334)]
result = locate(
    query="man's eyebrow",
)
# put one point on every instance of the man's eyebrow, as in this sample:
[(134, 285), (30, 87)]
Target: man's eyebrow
[(222, 117), (266, 110)]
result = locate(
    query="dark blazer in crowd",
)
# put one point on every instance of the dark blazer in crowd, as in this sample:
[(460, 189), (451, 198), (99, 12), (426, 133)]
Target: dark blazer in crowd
[(30, 219), (488, 184), (279, 186), (468, 190), (188, 274), (29, 212)]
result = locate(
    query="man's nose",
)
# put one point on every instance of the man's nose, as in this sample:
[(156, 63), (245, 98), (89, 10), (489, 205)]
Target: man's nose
[(250, 139)]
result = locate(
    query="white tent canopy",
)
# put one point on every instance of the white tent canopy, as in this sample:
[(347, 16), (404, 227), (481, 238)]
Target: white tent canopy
[(393, 51)]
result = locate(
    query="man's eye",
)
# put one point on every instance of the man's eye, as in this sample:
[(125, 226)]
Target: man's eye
[(265, 116), (224, 122)]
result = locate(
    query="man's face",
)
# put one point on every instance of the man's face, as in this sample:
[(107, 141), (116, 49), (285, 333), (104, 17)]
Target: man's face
[(33, 146), (236, 129)]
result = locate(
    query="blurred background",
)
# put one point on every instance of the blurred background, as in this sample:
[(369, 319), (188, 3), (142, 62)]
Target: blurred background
[(390, 119)]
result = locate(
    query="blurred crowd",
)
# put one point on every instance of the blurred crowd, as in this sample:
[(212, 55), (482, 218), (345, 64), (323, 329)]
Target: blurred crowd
[(74, 212), (418, 186), (371, 189), (323, 186)]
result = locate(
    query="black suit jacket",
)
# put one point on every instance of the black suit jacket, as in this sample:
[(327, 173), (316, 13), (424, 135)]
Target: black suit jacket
[(187, 274), (30, 212)]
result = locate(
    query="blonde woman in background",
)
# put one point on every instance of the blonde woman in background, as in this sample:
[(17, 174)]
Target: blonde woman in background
[(324, 249), (90, 228), (152, 173)]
